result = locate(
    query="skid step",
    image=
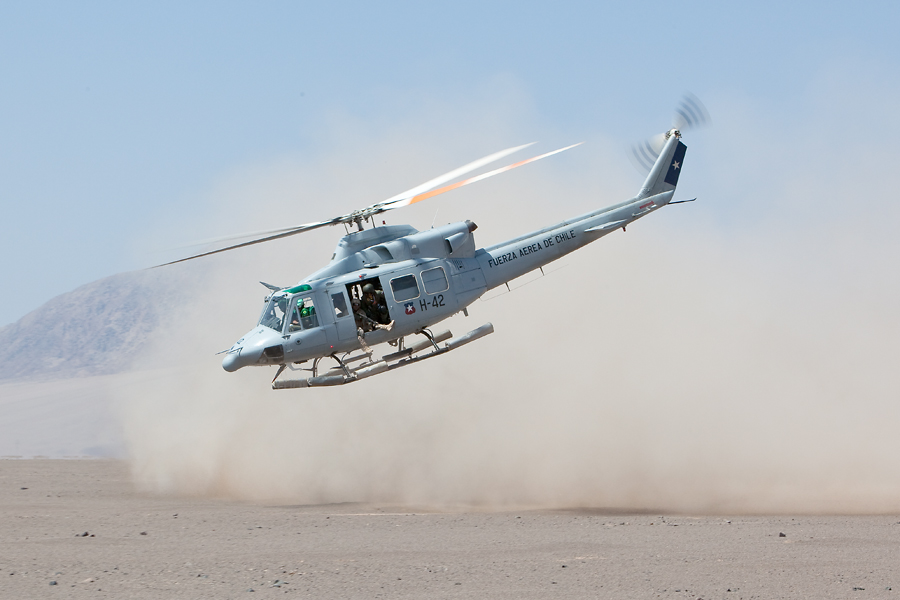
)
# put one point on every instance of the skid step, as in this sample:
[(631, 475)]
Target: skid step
[(419, 346)]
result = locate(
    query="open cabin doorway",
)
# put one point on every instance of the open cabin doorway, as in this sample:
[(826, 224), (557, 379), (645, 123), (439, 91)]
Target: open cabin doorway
[(374, 302)]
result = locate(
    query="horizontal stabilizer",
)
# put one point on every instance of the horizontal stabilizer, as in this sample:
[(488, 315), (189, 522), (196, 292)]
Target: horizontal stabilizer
[(605, 226)]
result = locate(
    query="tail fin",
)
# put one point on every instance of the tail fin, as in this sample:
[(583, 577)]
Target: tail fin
[(663, 177)]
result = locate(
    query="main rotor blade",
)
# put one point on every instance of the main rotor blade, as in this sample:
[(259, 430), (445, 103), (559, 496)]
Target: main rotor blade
[(398, 198), (458, 184), (283, 234), (467, 168), (238, 236), (416, 194)]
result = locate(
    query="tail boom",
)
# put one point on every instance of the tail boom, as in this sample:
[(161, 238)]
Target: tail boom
[(513, 258)]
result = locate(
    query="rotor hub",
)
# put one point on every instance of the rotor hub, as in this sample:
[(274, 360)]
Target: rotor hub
[(674, 132)]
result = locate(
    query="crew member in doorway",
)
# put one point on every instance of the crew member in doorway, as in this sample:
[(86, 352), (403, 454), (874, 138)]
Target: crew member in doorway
[(363, 322), (375, 305)]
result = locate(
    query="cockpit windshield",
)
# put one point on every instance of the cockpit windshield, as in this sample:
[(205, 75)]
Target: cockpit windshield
[(273, 315)]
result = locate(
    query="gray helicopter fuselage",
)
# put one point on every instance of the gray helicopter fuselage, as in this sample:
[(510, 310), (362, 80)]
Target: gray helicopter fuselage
[(435, 288), (446, 280), (426, 276)]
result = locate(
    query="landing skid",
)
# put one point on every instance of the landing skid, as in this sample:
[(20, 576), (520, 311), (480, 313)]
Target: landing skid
[(344, 374)]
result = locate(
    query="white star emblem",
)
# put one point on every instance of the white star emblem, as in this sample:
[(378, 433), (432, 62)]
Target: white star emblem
[(675, 165)]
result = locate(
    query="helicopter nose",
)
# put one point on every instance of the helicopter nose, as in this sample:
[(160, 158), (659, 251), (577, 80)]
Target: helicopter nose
[(249, 349), (232, 361), (241, 356)]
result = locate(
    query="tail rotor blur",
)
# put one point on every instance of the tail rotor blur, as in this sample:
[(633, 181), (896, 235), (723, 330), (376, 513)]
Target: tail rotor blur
[(689, 114), (644, 154)]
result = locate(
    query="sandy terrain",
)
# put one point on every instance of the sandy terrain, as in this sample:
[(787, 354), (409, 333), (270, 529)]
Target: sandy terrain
[(140, 546)]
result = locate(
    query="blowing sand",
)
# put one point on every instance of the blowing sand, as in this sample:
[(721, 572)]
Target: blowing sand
[(150, 546)]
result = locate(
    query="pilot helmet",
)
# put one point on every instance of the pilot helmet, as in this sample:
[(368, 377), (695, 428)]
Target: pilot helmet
[(368, 289), (355, 303)]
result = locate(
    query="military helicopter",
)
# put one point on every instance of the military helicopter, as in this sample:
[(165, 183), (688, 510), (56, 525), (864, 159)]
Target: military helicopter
[(392, 284)]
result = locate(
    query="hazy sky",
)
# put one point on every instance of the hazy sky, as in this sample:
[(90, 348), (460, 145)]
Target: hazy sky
[(737, 353), (117, 119)]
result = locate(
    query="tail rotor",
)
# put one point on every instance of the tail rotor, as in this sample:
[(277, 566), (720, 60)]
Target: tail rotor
[(689, 114), (644, 154)]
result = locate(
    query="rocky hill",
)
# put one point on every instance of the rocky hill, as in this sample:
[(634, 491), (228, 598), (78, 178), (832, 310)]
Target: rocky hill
[(96, 329)]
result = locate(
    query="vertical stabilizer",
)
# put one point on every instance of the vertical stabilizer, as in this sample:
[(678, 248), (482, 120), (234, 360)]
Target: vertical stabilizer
[(663, 177)]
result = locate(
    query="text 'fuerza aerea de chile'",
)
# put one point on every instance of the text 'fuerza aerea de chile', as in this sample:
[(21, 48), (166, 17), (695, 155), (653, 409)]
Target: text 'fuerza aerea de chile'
[(531, 248)]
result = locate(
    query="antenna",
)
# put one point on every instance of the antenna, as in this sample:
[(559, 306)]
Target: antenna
[(435, 217)]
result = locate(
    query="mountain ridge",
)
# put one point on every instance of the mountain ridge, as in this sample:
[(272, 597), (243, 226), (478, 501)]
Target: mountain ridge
[(95, 329)]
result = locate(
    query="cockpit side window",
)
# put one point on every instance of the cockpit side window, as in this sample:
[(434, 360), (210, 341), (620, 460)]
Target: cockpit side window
[(303, 315), (273, 315)]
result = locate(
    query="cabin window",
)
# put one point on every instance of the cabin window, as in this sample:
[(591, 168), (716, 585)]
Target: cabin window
[(303, 315), (405, 288), (340, 305), (435, 280)]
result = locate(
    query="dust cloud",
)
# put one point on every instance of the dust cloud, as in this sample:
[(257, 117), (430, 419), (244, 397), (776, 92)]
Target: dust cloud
[(724, 356)]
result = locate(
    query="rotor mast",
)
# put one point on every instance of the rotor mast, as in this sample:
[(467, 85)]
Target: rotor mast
[(358, 217)]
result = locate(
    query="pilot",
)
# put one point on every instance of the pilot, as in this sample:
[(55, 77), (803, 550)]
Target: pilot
[(375, 305), (308, 316)]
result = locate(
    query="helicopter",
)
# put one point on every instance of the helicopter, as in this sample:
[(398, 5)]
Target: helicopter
[(391, 284)]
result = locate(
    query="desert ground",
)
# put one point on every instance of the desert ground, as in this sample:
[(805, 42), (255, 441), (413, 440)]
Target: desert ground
[(78, 529)]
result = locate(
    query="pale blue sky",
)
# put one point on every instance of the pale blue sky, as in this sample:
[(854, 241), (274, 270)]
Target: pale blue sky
[(113, 114)]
